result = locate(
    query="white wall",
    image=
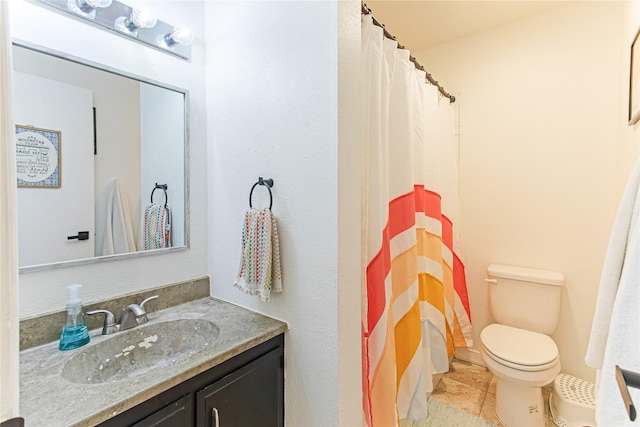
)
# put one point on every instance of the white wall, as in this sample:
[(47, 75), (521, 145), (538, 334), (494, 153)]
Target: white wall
[(42, 292), (628, 148), (9, 340), (350, 265), (162, 124), (273, 71), (274, 102), (50, 104), (540, 176)]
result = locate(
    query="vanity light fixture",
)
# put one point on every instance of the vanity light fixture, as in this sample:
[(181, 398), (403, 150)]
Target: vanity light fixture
[(139, 18), (87, 8), (179, 35), (136, 24)]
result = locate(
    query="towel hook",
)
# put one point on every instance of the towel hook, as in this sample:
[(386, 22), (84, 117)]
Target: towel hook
[(163, 187), (267, 183), (626, 379)]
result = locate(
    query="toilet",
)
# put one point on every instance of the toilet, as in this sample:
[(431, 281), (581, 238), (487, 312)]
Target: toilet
[(517, 348)]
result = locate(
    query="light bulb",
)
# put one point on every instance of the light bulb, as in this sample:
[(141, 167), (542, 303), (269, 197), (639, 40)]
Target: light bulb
[(87, 8), (139, 18), (179, 35)]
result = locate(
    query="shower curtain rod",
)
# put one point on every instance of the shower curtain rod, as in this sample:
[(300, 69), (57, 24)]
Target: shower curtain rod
[(387, 34)]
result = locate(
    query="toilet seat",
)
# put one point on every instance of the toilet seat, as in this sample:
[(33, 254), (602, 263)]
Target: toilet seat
[(518, 348)]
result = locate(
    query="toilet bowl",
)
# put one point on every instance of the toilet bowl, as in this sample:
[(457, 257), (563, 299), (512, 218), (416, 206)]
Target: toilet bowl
[(523, 362), (517, 348)]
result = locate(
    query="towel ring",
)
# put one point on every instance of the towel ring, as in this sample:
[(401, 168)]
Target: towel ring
[(164, 188), (267, 183)]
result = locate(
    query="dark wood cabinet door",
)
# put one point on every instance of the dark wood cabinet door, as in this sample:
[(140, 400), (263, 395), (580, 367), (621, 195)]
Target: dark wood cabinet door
[(245, 391), (177, 414), (252, 396)]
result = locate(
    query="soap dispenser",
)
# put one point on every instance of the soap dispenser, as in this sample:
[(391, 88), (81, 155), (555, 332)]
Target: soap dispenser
[(75, 333)]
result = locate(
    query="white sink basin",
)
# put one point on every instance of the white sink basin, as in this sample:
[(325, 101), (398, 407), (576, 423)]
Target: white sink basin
[(128, 354)]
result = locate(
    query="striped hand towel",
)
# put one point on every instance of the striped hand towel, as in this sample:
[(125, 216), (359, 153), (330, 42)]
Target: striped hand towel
[(259, 273), (157, 227)]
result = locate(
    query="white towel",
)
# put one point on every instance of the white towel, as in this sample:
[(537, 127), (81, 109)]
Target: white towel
[(615, 333), (259, 273), (117, 236)]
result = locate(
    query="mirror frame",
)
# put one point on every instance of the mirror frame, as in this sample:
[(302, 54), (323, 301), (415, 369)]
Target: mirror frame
[(187, 207)]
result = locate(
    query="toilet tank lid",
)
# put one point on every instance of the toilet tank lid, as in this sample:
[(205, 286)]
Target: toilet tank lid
[(526, 274)]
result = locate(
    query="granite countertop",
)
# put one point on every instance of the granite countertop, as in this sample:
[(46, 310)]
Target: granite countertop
[(48, 399)]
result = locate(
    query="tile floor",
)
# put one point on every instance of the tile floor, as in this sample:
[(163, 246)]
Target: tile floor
[(472, 388)]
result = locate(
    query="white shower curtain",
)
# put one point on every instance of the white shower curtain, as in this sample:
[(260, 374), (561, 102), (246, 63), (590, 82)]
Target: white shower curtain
[(8, 231), (415, 309)]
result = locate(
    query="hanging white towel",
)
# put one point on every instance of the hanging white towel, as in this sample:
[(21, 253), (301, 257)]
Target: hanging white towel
[(117, 237), (615, 333), (259, 273)]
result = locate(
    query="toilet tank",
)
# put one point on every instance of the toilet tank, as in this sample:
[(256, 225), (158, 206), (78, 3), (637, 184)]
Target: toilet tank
[(525, 298)]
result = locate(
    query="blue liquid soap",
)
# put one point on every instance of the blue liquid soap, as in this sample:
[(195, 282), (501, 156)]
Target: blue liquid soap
[(74, 336), (75, 333)]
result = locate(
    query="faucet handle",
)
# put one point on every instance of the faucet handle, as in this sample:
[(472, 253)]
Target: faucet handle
[(147, 300), (110, 325), (134, 314)]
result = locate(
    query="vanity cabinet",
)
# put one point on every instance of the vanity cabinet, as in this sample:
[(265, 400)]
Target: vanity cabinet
[(246, 397), (244, 391), (179, 413)]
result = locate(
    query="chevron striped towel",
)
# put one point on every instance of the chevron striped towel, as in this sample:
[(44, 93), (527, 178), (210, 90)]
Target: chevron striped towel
[(259, 273), (157, 227)]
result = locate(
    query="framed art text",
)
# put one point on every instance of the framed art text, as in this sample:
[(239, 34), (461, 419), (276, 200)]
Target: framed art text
[(38, 157)]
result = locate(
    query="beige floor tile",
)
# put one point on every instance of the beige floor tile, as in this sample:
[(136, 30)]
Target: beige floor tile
[(488, 412), (469, 374), (459, 395), (471, 388), (492, 385), (546, 395), (436, 379), (406, 423)]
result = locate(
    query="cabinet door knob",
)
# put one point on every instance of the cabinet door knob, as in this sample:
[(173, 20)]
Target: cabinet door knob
[(215, 422)]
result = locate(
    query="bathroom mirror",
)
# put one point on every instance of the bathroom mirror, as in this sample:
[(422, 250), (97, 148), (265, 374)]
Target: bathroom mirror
[(100, 161)]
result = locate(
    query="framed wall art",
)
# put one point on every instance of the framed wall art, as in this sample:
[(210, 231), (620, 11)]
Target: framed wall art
[(634, 82), (38, 157)]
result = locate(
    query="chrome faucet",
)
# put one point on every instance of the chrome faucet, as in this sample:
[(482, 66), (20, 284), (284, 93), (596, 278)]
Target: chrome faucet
[(132, 316), (110, 325)]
